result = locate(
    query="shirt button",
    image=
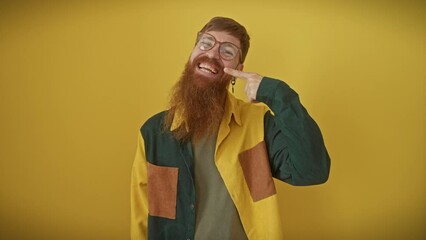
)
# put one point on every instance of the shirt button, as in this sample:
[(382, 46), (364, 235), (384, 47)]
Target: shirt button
[(192, 207)]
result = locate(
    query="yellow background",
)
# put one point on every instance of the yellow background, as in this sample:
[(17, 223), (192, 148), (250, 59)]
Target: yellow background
[(78, 78)]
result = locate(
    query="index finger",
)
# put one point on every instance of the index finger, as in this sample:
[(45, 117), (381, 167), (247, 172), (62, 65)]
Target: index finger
[(236, 73)]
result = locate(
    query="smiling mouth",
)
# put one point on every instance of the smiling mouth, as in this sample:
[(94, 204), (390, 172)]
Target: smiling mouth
[(205, 67)]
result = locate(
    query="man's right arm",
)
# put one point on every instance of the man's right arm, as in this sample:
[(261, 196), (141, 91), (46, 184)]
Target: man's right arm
[(138, 195)]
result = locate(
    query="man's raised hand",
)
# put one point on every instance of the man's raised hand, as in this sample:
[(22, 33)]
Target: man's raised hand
[(252, 81)]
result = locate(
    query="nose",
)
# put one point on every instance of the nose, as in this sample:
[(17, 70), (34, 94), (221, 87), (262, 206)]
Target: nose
[(214, 52)]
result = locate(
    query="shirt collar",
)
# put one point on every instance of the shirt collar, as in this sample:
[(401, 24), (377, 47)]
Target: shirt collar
[(231, 112)]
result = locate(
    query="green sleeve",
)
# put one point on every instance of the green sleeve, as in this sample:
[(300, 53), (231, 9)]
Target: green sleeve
[(296, 149)]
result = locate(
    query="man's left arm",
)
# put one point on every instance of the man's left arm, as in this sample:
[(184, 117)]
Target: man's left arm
[(296, 149)]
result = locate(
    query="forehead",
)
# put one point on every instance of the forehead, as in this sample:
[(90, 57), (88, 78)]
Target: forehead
[(225, 37)]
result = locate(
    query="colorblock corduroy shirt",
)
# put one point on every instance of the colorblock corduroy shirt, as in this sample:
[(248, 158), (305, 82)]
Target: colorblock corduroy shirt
[(253, 146)]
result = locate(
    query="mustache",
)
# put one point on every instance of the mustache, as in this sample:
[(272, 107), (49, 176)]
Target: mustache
[(212, 61)]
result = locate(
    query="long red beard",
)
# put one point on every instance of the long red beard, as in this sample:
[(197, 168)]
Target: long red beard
[(199, 101)]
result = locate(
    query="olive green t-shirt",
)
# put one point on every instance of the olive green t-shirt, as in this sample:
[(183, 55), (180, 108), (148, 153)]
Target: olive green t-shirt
[(216, 215)]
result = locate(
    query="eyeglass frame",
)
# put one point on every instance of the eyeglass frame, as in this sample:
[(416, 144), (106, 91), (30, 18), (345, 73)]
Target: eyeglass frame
[(199, 34)]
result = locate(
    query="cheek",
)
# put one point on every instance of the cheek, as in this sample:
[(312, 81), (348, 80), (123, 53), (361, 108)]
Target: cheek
[(195, 52), (231, 64)]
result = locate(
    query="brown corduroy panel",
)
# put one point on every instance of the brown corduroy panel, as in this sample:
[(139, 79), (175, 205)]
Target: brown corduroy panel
[(162, 190), (257, 172)]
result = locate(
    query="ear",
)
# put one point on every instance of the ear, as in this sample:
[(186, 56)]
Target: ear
[(240, 67)]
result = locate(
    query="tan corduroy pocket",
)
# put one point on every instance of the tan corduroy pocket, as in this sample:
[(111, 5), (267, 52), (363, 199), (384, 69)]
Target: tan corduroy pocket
[(257, 172), (162, 190)]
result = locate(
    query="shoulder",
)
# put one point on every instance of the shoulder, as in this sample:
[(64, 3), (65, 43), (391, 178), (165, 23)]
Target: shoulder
[(154, 123)]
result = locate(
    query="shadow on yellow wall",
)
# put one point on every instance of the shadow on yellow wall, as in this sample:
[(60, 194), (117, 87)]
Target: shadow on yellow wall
[(78, 79)]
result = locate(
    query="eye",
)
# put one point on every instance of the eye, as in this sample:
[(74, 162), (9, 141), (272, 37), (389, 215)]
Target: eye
[(228, 52), (205, 43)]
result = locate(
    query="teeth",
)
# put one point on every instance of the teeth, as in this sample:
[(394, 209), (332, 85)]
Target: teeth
[(205, 70), (208, 67)]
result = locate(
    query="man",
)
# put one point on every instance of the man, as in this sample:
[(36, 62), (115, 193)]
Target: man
[(204, 168)]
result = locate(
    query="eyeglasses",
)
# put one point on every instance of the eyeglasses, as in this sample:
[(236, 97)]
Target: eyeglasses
[(227, 50)]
